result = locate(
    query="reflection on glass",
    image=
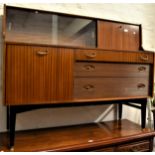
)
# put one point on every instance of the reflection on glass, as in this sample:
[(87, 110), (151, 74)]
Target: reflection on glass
[(39, 27)]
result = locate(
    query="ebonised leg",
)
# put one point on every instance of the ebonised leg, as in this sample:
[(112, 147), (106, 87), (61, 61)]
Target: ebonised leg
[(7, 117), (153, 118), (12, 125), (120, 106), (143, 113)]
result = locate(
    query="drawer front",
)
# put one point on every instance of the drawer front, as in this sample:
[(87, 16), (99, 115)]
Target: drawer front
[(134, 147), (88, 88), (113, 56), (110, 70)]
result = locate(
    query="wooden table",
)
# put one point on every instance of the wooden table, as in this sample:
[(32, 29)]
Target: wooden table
[(108, 136)]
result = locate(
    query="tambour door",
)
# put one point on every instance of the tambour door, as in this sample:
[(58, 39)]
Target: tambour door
[(31, 74)]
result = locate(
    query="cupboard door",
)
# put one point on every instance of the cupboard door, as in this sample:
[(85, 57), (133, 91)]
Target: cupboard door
[(110, 35), (118, 36), (30, 74), (131, 39), (65, 74)]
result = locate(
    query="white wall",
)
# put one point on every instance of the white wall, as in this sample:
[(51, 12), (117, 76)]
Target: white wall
[(134, 13)]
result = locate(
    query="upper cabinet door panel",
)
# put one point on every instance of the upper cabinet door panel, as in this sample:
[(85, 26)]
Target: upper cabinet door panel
[(118, 36), (131, 37), (30, 74), (30, 26), (110, 35)]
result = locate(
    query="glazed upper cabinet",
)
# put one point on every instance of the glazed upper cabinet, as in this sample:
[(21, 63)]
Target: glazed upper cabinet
[(52, 58), (118, 36), (31, 26)]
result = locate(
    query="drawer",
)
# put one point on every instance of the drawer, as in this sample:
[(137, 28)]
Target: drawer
[(113, 56), (110, 70), (134, 147), (88, 88)]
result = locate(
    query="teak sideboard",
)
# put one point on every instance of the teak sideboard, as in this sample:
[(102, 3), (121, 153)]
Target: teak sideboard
[(54, 60)]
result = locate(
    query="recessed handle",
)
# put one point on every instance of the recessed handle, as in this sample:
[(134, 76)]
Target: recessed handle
[(142, 68), (90, 54), (89, 67), (42, 53), (89, 87), (141, 85), (144, 57)]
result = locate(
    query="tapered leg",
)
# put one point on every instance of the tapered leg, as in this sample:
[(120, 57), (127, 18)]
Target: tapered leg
[(153, 118), (8, 118), (143, 113), (120, 106), (12, 125)]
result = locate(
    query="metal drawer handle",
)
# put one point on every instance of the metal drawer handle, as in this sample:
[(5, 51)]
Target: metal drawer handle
[(141, 68), (90, 54), (89, 67), (144, 57), (141, 85), (89, 87), (42, 53)]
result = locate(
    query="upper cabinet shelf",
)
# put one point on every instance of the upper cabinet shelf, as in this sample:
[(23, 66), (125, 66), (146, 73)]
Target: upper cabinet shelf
[(47, 28)]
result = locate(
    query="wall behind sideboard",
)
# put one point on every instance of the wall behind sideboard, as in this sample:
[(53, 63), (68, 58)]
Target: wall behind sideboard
[(134, 13)]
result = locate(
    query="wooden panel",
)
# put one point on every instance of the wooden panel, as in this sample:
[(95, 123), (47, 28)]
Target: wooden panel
[(65, 74), (88, 88), (104, 35), (30, 74), (131, 37), (118, 36), (110, 35), (114, 56), (91, 69)]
